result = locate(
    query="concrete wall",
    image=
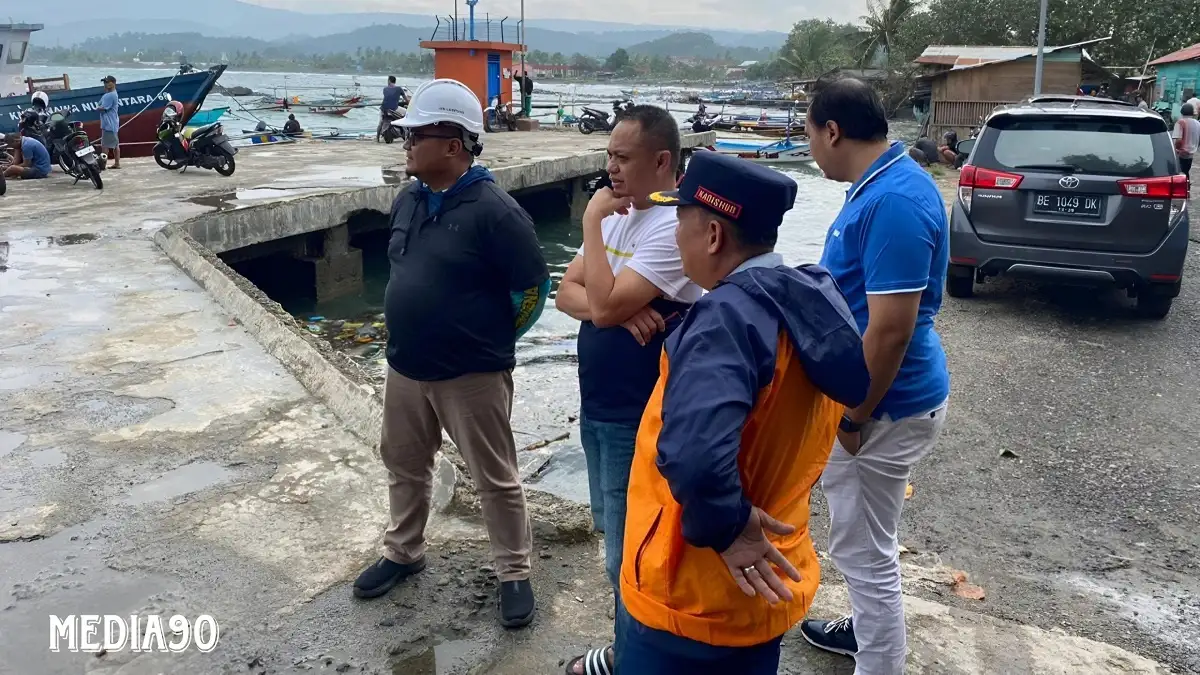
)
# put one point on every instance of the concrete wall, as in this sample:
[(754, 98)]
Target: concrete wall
[(222, 231)]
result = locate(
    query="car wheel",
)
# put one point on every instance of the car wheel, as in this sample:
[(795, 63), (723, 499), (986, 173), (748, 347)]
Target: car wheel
[(1153, 306), (960, 281)]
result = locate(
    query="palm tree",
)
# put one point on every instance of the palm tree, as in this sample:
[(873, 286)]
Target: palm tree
[(814, 47), (883, 23)]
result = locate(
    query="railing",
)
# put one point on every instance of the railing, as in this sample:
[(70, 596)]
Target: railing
[(960, 116), (451, 28), (48, 83)]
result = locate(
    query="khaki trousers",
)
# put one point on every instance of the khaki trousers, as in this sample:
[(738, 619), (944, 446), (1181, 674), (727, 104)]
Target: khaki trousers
[(475, 410)]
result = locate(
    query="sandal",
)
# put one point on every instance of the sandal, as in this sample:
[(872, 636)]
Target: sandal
[(595, 662)]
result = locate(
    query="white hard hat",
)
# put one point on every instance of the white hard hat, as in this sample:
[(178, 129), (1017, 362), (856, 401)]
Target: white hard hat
[(40, 96), (444, 101)]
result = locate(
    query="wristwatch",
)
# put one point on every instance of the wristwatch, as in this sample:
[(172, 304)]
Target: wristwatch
[(848, 425)]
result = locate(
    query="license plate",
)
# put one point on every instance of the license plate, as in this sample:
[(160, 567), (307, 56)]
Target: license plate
[(1064, 204), (84, 152)]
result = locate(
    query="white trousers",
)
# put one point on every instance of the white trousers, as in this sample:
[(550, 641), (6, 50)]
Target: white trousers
[(866, 496)]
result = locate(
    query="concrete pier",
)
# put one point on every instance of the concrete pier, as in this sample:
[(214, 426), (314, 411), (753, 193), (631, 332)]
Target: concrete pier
[(161, 420)]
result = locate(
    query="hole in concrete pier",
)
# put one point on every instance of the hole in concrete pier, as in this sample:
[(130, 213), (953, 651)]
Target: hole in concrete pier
[(333, 281)]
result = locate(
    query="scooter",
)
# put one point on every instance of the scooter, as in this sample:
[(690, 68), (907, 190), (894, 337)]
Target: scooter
[(206, 147), (598, 120), (702, 121), (388, 130), (499, 116), (35, 123), (73, 151)]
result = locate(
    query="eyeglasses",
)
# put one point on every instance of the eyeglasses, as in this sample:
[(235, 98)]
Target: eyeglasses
[(417, 136)]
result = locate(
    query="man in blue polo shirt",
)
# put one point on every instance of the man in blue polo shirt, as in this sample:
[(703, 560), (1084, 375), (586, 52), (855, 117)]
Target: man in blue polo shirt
[(888, 251)]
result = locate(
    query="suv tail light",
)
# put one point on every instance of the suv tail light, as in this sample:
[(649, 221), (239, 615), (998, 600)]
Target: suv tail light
[(973, 177), (1174, 188)]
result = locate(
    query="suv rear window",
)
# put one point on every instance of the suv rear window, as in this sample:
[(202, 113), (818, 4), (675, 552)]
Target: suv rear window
[(1105, 146)]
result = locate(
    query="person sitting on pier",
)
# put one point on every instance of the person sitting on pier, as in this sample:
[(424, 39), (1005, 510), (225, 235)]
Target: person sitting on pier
[(467, 279), (292, 126), (30, 158)]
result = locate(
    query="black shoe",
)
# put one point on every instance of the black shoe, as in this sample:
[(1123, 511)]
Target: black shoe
[(835, 636), (516, 603), (383, 575)]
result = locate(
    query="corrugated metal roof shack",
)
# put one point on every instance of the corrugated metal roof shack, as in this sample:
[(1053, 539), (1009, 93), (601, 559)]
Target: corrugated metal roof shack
[(965, 83)]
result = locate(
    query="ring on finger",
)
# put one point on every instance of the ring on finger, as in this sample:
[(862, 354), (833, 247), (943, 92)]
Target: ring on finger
[(748, 570)]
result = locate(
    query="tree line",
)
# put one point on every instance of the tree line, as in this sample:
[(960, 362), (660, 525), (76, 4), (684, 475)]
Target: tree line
[(894, 32)]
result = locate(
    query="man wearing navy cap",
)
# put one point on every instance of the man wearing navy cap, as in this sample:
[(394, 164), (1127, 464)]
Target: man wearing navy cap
[(718, 560)]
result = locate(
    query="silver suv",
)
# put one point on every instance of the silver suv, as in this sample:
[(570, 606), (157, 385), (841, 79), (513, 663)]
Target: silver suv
[(1073, 190)]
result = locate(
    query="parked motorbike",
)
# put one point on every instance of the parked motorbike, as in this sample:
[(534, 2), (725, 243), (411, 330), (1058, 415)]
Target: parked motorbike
[(71, 149), (500, 116), (206, 147), (388, 130), (598, 120), (1163, 108), (35, 124)]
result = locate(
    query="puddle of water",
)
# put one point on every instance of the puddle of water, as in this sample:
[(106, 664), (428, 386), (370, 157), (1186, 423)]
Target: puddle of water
[(565, 475), (9, 441), (72, 239), (47, 458), (437, 660), (366, 175), (179, 482), (231, 201), (296, 186)]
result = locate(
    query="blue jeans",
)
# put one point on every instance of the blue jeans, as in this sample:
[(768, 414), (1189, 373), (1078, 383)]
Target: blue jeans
[(608, 448), (646, 651)]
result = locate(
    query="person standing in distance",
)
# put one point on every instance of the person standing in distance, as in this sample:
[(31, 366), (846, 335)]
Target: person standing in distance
[(888, 250), (467, 279), (1187, 137), (110, 121)]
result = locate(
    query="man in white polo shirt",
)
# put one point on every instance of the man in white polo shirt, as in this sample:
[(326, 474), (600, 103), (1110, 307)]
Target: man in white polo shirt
[(627, 288)]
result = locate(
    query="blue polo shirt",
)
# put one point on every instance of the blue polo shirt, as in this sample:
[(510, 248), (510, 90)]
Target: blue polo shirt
[(892, 236)]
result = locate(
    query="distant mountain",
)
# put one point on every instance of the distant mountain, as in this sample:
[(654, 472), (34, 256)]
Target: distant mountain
[(70, 22), (691, 44)]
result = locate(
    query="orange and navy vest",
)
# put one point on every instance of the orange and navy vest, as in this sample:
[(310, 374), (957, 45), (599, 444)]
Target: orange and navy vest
[(790, 335)]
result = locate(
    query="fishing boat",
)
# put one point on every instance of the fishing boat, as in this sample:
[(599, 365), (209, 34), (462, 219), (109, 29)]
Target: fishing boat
[(785, 151), (142, 101), (204, 117)]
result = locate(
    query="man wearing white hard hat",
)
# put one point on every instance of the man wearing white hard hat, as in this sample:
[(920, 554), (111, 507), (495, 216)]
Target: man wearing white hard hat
[(467, 279)]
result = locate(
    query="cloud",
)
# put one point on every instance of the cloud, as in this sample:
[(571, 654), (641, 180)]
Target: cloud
[(778, 15)]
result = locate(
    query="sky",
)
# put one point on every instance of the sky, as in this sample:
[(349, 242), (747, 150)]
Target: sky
[(776, 15)]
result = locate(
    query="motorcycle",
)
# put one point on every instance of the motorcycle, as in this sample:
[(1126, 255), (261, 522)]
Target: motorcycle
[(498, 117), (206, 147), (388, 130), (702, 121), (598, 120), (72, 150), (36, 124)]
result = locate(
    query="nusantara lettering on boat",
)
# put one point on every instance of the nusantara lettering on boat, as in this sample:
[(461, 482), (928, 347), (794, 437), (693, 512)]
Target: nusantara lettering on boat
[(126, 101)]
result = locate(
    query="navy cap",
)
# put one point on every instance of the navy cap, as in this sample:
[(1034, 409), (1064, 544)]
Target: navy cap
[(746, 194)]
